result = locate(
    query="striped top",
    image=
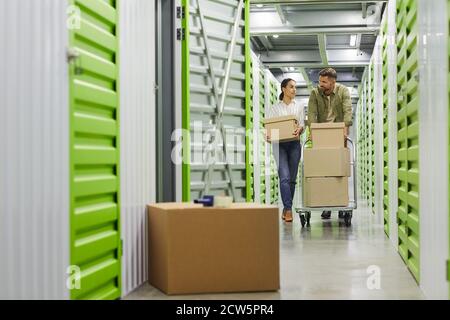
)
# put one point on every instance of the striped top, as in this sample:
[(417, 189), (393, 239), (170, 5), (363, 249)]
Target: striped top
[(281, 109)]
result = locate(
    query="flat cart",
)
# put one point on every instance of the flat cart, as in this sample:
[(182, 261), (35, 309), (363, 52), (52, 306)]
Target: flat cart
[(305, 212)]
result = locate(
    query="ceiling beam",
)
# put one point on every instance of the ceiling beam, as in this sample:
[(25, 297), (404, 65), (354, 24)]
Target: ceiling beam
[(257, 31), (265, 42), (306, 77), (281, 14), (322, 38), (364, 10), (358, 43), (289, 2), (276, 64)]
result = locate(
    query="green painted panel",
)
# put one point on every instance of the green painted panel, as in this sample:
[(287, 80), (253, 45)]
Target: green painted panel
[(408, 136), (94, 152)]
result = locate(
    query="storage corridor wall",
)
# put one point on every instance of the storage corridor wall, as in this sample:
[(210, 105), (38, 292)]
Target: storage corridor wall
[(432, 21), (62, 187), (265, 89), (215, 63), (34, 139), (137, 134), (415, 131)]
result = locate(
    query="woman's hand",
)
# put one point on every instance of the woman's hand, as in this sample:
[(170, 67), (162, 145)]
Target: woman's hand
[(298, 131)]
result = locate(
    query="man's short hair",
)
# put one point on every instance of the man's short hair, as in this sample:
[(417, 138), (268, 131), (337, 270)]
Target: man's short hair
[(328, 72)]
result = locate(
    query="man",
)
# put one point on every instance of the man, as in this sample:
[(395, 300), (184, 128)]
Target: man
[(330, 102)]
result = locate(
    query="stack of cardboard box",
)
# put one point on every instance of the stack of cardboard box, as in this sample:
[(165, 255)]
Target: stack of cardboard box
[(326, 167)]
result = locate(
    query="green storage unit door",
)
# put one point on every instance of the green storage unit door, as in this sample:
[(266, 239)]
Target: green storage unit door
[(262, 146), (372, 137), (250, 160), (384, 60), (212, 96), (94, 152), (273, 99), (408, 135), (368, 154)]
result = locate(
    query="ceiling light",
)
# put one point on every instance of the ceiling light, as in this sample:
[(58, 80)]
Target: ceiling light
[(291, 69), (353, 40), (259, 5), (275, 36)]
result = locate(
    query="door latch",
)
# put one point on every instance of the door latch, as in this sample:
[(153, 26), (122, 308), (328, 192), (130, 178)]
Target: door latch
[(73, 56)]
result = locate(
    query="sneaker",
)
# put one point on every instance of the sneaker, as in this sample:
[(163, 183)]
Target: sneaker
[(326, 215), (288, 216)]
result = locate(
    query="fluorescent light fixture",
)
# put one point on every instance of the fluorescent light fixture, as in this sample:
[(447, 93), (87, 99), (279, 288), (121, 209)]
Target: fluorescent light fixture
[(291, 69), (259, 5), (353, 40), (275, 36)]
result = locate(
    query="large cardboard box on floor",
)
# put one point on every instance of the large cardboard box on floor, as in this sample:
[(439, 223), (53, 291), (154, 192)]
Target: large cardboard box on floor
[(326, 192), (328, 135), (281, 128), (193, 249), (326, 162)]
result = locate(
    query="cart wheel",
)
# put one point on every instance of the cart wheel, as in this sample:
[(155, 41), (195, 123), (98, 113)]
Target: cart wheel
[(302, 220), (308, 218), (348, 218)]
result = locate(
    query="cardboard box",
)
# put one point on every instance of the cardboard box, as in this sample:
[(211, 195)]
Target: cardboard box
[(281, 128), (326, 192), (328, 135), (327, 162), (193, 249)]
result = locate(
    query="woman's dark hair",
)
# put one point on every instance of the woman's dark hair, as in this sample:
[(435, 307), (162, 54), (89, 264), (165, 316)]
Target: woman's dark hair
[(284, 84)]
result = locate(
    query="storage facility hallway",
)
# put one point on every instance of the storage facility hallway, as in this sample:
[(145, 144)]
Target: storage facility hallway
[(195, 150)]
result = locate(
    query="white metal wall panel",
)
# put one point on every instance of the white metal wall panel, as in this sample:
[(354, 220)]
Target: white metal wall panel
[(378, 123), (433, 147), (256, 134), (137, 140), (392, 120), (34, 142), (177, 136)]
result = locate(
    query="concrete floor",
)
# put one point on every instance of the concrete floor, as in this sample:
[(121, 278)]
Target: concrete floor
[(328, 261)]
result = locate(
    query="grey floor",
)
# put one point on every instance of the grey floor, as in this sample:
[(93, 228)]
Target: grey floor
[(328, 261)]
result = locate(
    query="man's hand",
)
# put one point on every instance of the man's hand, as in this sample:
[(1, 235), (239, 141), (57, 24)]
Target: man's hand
[(346, 132)]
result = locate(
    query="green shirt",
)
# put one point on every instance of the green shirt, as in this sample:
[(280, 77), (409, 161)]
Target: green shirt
[(340, 103)]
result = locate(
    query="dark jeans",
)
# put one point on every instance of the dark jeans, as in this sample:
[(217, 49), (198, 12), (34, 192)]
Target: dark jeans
[(287, 156)]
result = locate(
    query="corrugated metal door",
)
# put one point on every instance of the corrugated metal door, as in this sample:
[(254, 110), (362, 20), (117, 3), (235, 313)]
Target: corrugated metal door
[(214, 98), (384, 59), (94, 150), (34, 144), (137, 135), (408, 135)]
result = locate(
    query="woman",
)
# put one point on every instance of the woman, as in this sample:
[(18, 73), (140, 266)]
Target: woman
[(287, 154)]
